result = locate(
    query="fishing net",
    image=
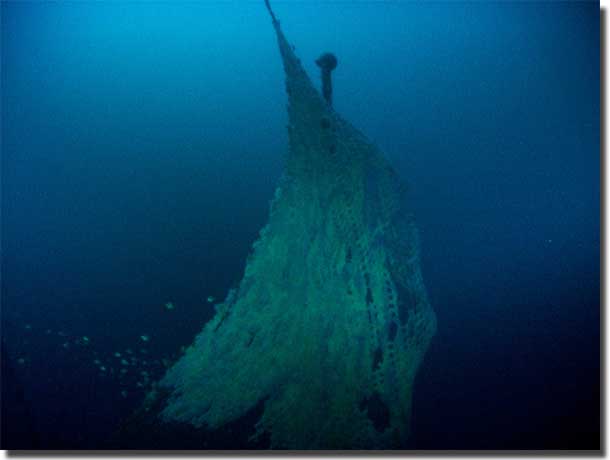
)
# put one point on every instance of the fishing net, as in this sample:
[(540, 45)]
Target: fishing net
[(331, 320)]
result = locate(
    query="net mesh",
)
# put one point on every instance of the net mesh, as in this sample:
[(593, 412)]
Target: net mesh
[(331, 319)]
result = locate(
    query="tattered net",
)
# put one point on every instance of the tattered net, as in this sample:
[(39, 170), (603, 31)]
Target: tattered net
[(331, 319)]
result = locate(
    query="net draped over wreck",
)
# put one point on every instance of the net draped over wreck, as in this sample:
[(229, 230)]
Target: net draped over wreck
[(331, 320)]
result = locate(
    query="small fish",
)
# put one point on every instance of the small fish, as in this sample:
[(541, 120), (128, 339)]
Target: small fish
[(85, 339), (66, 345), (124, 362), (124, 394), (103, 368), (21, 360), (210, 299), (169, 306), (145, 338), (28, 326), (97, 362), (117, 354)]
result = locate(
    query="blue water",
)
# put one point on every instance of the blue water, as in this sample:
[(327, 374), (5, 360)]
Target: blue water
[(141, 144)]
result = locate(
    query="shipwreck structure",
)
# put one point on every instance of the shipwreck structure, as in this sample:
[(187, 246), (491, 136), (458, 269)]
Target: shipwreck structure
[(319, 344)]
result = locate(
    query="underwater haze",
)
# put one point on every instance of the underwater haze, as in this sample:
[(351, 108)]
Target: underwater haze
[(142, 144)]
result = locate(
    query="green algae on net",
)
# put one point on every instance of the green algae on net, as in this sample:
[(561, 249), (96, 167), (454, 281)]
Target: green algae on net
[(323, 336)]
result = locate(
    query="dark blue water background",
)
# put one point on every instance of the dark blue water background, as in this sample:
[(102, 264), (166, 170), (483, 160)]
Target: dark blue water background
[(141, 144)]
